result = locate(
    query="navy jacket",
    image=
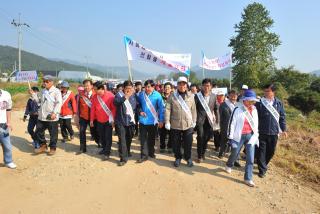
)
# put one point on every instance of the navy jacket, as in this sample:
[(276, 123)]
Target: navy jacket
[(121, 116), (31, 108), (267, 123)]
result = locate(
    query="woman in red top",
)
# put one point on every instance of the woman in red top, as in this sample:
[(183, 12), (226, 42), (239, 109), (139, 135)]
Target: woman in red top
[(104, 111)]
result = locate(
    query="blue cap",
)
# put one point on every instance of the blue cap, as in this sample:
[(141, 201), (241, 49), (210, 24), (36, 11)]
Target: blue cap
[(65, 84), (250, 95)]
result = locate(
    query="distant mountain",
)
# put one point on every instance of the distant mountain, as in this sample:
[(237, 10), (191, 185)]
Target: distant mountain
[(317, 73), (110, 71), (223, 74), (30, 61)]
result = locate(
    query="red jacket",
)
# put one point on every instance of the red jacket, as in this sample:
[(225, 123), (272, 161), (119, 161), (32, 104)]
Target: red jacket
[(69, 106), (97, 112), (83, 108)]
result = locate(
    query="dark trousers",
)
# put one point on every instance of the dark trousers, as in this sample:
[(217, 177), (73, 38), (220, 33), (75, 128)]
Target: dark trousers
[(266, 150), (52, 127), (136, 117), (105, 135), (204, 133), (163, 135), (182, 138), (65, 126), (125, 135), (147, 140), (31, 126), (223, 143), (95, 132), (216, 139)]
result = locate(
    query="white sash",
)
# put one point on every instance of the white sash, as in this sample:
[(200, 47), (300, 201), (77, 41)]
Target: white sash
[(105, 108), (65, 97), (230, 105), (183, 104), (87, 101), (151, 108), (272, 110), (254, 138), (128, 108), (48, 96), (205, 106)]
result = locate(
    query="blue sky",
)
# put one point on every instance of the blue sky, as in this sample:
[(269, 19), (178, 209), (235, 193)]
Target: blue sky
[(75, 29)]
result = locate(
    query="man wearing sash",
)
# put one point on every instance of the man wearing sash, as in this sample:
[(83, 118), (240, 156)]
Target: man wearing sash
[(272, 122), (151, 117), (207, 116), (84, 107), (104, 111), (168, 88), (126, 104), (243, 130), (50, 101), (68, 109), (225, 111), (180, 119)]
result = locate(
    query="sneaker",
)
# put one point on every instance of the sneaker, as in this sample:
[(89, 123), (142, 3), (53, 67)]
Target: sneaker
[(11, 165), (122, 163), (52, 151), (189, 163), (102, 152), (220, 156), (249, 183), (141, 160), (261, 175), (237, 164), (228, 169), (177, 162), (152, 156), (41, 149)]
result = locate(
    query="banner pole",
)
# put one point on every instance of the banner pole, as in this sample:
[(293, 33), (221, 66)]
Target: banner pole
[(230, 79), (129, 69)]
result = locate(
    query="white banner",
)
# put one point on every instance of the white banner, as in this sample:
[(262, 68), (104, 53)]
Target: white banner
[(217, 63), (175, 62), (25, 76)]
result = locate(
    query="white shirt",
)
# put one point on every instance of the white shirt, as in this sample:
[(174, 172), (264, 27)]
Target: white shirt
[(5, 104)]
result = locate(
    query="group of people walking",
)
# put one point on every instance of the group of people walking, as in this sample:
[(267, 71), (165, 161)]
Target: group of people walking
[(173, 114)]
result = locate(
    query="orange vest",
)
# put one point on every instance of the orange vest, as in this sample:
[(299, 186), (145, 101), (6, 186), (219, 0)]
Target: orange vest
[(84, 110)]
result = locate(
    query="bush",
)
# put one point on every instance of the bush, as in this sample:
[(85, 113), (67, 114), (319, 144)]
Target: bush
[(306, 101), (315, 85), (281, 92)]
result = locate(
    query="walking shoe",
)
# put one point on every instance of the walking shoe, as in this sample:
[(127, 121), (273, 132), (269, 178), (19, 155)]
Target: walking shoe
[(102, 152), (199, 160), (152, 156), (64, 140), (141, 160), (52, 151), (177, 162), (41, 149), (262, 175), (249, 183), (228, 169), (237, 164), (220, 156), (105, 157), (122, 163), (189, 163), (11, 165)]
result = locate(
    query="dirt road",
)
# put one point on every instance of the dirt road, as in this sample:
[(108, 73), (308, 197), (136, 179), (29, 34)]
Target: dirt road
[(69, 183)]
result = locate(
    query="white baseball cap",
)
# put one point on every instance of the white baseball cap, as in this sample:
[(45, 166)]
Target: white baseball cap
[(182, 79), (245, 87)]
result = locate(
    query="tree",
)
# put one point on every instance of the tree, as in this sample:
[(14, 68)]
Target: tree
[(253, 46), (306, 101), (315, 85), (292, 80)]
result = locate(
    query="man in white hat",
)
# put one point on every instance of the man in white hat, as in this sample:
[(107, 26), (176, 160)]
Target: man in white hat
[(50, 101), (180, 118)]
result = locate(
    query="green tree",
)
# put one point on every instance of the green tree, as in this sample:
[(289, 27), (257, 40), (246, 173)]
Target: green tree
[(253, 46), (306, 101), (315, 85), (292, 80)]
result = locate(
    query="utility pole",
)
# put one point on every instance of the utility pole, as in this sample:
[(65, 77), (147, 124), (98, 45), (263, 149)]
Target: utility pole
[(19, 25)]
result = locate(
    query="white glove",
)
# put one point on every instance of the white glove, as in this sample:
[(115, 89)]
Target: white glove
[(194, 125), (167, 126)]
